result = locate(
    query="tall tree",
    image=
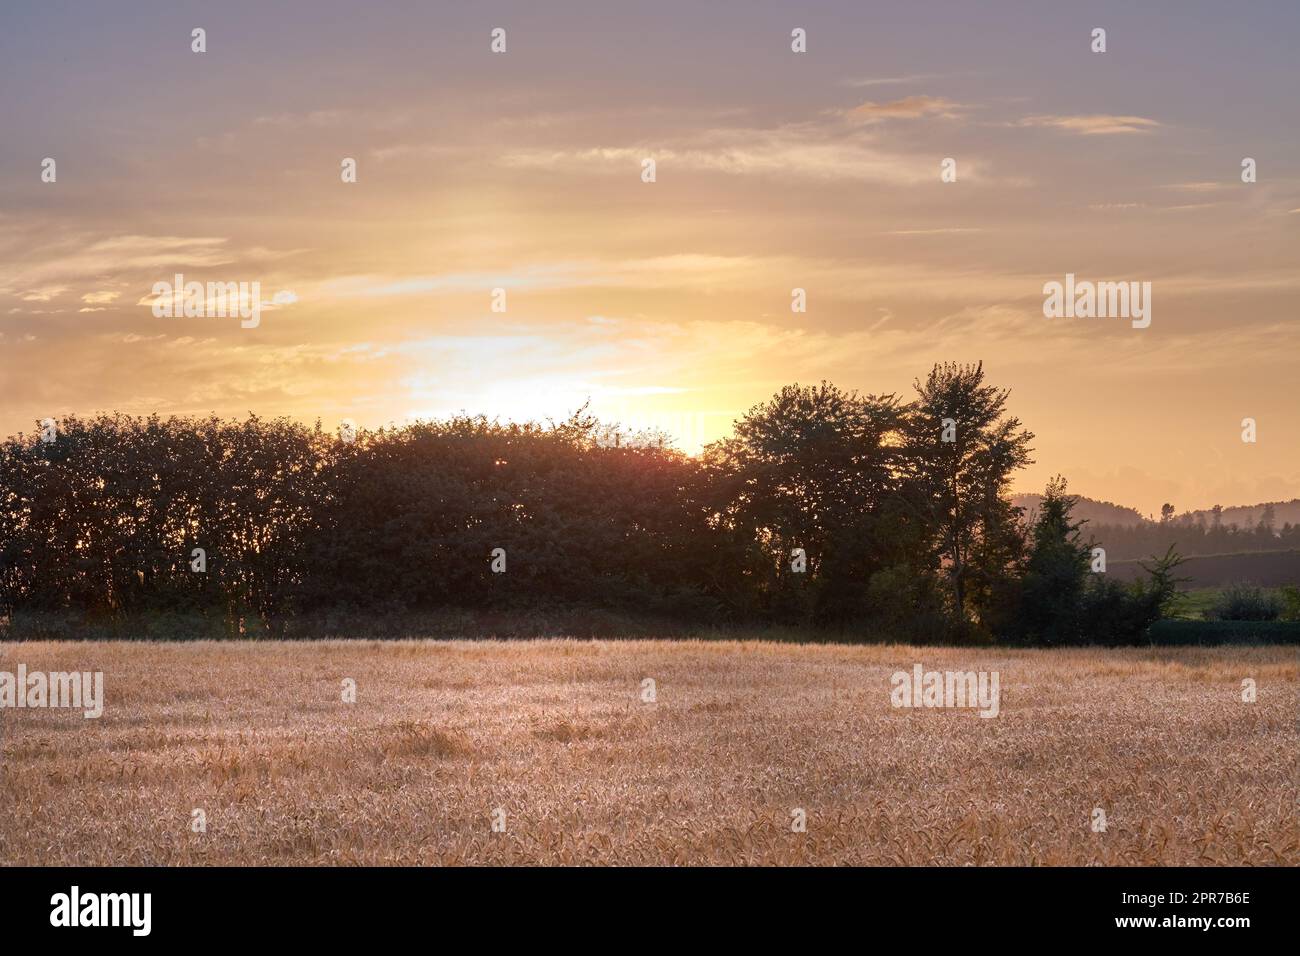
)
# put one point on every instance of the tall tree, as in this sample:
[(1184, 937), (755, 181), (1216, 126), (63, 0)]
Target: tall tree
[(808, 469), (962, 449), (1056, 571)]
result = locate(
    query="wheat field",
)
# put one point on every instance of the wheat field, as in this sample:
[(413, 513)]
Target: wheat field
[(553, 743)]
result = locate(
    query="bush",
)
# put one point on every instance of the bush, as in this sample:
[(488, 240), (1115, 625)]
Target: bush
[(1291, 602), (1114, 613), (1245, 602), (1177, 633), (904, 606)]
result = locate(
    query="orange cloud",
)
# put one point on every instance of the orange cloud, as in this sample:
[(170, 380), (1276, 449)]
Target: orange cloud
[(909, 107), (1097, 124)]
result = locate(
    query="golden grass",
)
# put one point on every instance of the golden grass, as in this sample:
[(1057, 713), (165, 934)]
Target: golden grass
[(555, 733)]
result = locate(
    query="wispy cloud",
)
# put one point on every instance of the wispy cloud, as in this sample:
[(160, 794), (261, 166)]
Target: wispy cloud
[(44, 294), (81, 257), (895, 80), (312, 118), (909, 107), (1198, 187), (1093, 125), (805, 150)]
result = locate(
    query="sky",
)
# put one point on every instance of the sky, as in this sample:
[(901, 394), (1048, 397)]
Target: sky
[(666, 304)]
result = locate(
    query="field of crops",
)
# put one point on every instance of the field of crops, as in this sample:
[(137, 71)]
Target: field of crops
[(649, 752)]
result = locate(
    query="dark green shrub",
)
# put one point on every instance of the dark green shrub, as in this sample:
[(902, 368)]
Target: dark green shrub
[(1291, 603), (1245, 602), (1177, 633)]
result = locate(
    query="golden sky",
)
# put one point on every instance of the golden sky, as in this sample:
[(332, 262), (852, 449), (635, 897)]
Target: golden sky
[(666, 304)]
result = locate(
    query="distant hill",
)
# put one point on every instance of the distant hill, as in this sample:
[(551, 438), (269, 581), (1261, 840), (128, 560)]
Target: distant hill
[(1247, 516), (1106, 512), (1094, 512)]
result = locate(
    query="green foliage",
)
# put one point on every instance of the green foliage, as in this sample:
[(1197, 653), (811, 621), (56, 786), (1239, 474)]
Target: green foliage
[(1056, 600), (1161, 589), (103, 521), (1245, 602), (961, 449), (1173, 633), (1112, 613), (1291, 603), (1055, 574), (907, 536), (814, 468)]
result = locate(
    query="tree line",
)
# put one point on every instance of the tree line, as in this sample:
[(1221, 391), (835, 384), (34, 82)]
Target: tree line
[(1127, 542), (826, 508)]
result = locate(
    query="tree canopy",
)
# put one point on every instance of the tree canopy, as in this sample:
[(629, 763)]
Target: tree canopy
[(825, 507)]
